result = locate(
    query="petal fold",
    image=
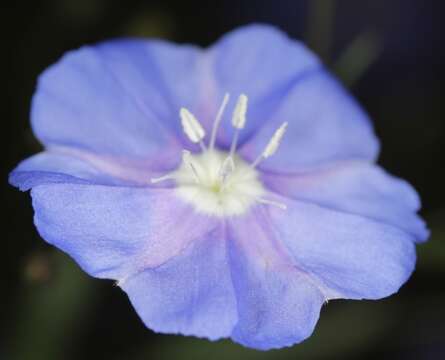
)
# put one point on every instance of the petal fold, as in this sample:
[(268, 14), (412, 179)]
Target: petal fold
[(286, 82), (278, 303), (191, 294), (257, 60), (356, 257), (357, 188), (47, 168), (65, 165), (325, 125)]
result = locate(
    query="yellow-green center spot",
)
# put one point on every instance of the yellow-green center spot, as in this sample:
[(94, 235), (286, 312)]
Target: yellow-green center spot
[(216, 187)]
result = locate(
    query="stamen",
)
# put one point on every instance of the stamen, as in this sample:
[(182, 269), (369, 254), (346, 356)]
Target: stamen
[(192, 127), (272, 146), (234, 143), (187, 159), (238, 120), (271, 202), (218, 120), (162, 178)]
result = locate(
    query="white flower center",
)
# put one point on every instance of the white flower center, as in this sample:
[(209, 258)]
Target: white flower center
[(203, 181), (216, 182)]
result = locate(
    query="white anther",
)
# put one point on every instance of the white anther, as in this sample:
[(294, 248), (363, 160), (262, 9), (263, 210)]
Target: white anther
[(238, 120), (218, 120), (271, 202), (272, 145), (187, 159), (191, 126), (239, 114), (227, 168)]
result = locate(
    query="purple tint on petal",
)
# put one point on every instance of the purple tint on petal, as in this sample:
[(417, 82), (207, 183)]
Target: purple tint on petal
[(114, 232), (356, 257), (191, 294), (66, 165), (278, 304), (357, 188)]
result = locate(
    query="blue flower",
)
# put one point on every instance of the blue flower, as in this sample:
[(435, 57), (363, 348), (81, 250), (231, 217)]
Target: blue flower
[(219, 216)]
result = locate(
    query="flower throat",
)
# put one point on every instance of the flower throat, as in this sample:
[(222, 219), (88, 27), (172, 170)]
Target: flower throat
[(217, 182)]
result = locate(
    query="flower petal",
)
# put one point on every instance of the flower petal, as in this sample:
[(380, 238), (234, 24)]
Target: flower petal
[(278, 304), (64, 165), (357, 188), (256, 60), (286, 82), (119, 98), (355, 257), (191, 294), (114, 232), (46, 168), (325, 125)]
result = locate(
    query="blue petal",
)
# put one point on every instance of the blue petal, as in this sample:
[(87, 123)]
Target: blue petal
[(118, 98), (257, 60), (357, 188), (286, 82), (325, 124), (355, 257), (278, 303), (191, 294), (114, 232)]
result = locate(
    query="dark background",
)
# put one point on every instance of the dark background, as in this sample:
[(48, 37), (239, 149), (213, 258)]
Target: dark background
[(390, 54)]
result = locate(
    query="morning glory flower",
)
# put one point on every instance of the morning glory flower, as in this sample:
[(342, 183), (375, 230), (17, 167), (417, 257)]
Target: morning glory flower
[(230, 191)]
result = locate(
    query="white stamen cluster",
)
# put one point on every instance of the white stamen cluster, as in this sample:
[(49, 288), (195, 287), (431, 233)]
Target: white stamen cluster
[(216, 182)]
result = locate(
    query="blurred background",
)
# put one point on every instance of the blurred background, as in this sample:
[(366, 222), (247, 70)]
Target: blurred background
[(389, 53)]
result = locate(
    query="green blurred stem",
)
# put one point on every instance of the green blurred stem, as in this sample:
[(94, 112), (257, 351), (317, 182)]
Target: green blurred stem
[(356, 59)]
